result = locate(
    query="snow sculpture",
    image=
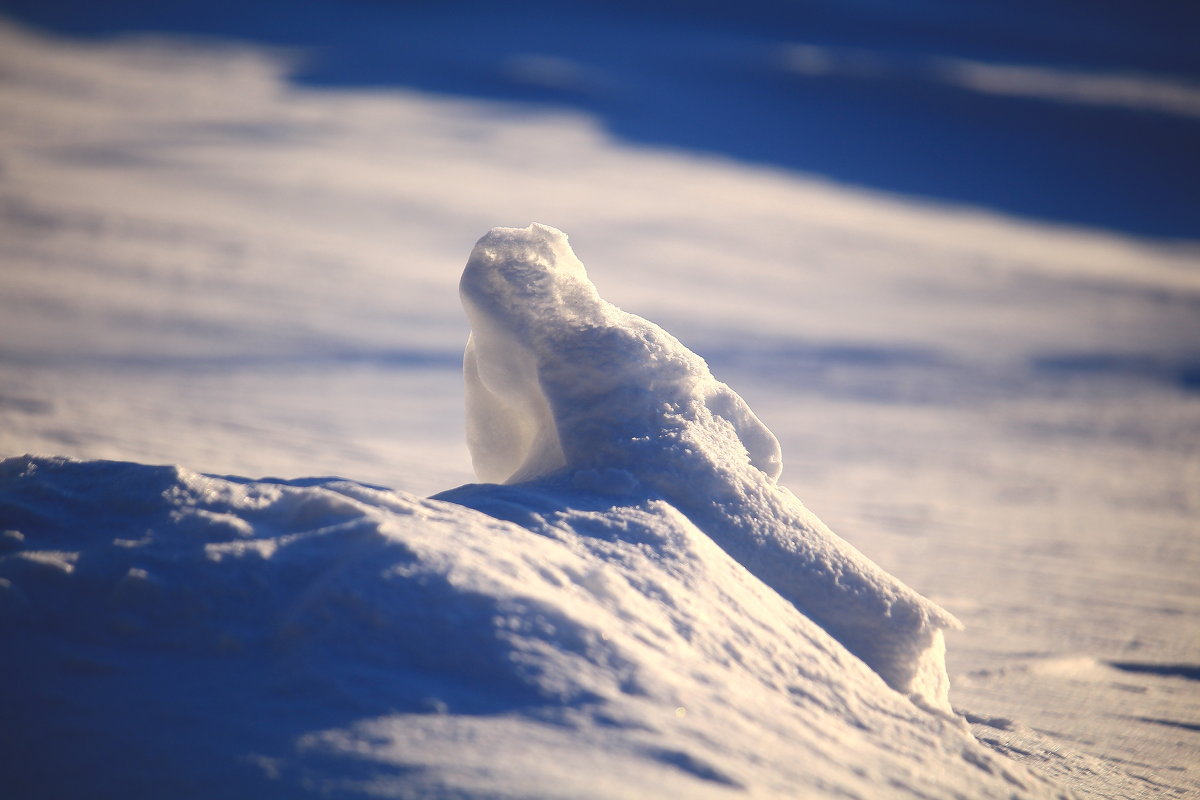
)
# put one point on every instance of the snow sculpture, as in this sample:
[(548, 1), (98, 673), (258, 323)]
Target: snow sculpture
[(558, 380)]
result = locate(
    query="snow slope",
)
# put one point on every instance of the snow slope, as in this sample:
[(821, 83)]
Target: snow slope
[(174, 634), (203, 263)]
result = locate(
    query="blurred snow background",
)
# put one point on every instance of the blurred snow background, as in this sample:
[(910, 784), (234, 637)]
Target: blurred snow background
[(948, 256)]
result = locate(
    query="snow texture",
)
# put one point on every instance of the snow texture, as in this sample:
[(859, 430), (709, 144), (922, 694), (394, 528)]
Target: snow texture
[(169, 633), (557, 378), (642, 610), (205, 261)]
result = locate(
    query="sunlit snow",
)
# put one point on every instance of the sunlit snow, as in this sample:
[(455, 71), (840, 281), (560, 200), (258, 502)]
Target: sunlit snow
[(558, 378), (206, 262), (602, 621)]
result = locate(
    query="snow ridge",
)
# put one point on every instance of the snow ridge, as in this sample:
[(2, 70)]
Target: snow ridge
[(558, 379), (170, 633)]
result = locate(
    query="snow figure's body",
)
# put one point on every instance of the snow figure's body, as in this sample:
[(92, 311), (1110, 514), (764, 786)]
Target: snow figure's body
[(562, 383)]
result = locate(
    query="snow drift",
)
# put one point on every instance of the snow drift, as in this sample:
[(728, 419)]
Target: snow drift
[(175, 634), (638, 609)]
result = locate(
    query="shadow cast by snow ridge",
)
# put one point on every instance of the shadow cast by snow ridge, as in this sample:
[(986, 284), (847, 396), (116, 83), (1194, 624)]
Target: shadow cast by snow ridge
[(1189, 672), (867, 98), (319, 356), (1178, 373)]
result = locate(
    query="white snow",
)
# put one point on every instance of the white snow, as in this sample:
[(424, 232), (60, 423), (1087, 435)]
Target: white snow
[(558, 378), (203, 263), (274, 640)]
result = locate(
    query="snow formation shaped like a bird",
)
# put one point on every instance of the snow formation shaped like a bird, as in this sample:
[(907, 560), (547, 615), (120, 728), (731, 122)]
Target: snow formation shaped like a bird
[(561, 382)]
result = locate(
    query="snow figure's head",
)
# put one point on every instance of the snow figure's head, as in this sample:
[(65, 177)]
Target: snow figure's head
[(531, 278), (557, 376)]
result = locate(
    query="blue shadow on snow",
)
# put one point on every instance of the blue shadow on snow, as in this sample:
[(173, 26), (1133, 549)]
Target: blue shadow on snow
[(708, 77)]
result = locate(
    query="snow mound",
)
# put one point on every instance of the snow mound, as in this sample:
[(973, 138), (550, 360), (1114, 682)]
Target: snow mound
[(559, 381), (169, 633)]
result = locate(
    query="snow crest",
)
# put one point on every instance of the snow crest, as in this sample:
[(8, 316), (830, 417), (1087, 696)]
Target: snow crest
[(561, 382)]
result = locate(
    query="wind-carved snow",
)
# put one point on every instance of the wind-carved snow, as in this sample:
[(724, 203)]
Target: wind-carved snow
[(561, 382), (641, 612)]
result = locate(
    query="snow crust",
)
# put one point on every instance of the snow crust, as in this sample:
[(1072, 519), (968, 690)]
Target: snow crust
[(558, 379)]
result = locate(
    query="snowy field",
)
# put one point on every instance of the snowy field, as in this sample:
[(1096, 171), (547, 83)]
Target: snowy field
[(205, 263)]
